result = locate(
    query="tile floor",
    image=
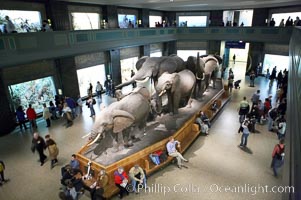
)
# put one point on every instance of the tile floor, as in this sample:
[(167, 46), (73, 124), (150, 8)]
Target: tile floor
[(215, 162)]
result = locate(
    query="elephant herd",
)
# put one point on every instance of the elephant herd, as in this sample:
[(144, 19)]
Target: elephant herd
[(178, 80)]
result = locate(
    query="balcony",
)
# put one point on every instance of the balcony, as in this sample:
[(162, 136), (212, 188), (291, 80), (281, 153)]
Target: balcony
[(27, 47)]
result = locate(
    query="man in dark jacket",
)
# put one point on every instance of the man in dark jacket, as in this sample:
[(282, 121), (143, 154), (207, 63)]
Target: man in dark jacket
[(38, 144)]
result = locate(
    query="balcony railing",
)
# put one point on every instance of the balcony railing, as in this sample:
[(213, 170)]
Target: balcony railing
[(27, 47)]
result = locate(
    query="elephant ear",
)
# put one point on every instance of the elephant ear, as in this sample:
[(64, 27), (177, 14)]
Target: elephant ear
[(122, 120), (175, 82)]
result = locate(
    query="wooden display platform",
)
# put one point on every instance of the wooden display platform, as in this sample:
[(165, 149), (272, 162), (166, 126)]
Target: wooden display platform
[(186, 135)]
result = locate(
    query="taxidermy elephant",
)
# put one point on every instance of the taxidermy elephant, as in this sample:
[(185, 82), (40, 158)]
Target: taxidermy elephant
[(132, 110), (153, 67), (212, 65), (177, 86), (197, 66)]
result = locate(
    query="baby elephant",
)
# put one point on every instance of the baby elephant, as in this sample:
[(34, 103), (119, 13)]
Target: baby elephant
[(177, 86)]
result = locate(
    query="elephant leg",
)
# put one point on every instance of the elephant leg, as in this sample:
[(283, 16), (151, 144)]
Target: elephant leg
[(170, 103), (126, 138), (176, 102)]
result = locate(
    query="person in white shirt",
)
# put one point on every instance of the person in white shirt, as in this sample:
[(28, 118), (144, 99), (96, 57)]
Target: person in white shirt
[(80, 104), (172, 151), (10, 27), (281, 128), (67, 112)]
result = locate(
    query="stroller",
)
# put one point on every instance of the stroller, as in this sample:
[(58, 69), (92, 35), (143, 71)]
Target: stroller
[(236, 84)]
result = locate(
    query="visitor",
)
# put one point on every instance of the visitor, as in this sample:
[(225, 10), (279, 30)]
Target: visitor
[(279, 79), (230, 84), (46, 115), (90, 89), (272, 22), (172, 151), (205, 119), (107, 86), (255, 98), (272, 115), (97, 189), (121, 181), (90, 103), (273, 76), (52, 149), (234, 58), (79, 104), (21, 118), (288, 22), (99, 90), (252, 78), (52, 110), (39, 144), (281, 128), (67, 113), (278, 156), (31, 116), (10, 27), (72, 105), (137, 175), (2, 169), (281, 23), (74, 163), (244, 108), (245, 133), (45, 26), (297, 22)]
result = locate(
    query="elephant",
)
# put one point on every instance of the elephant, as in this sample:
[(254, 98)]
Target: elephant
[(197, 66), (177, 86), (154, 67), (212, 66), (120, 116)]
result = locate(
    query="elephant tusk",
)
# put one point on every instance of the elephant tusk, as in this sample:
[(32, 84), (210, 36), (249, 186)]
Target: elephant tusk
[(203, 77), (97, 137), (161, 93), (86, 135), (143, 81)]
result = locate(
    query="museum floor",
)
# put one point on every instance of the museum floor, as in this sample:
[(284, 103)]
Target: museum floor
[(214, 161)]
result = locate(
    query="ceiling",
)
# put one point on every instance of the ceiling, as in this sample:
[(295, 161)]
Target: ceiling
[(193, 5)]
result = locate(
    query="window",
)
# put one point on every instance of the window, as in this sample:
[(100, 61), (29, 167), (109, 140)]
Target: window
[(192, 21), (90, 75), (153, 20), (24, 21), (156, 54), (85, 21), (184, 54), (35, 92), (126, 21), (126, 66), (279, 16), (270, 61)]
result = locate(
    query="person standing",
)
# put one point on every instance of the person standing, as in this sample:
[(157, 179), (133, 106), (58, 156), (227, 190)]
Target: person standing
[(234, 57), (90, 89), (10, 27), (90, 103), (31, 116), (272, 22), (279, 79), (98, 90), (45, 26), (172, 151), (80, 104), (107, 86), (52, 149), (281, 23), (52, 110), (245, 133), (21, 117), (67, 112), (2, 168), (281, 128), (39, 144), (252, 78), (278, 156), (46, 115), (255, 98), (72, 105)]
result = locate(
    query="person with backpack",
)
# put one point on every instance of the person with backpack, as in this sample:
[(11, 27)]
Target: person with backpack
[(121, 181), (99, 90), (278, 156), (245, 133), (272, 115)]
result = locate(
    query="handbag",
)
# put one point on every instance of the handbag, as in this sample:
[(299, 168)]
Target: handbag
[(123, 184)]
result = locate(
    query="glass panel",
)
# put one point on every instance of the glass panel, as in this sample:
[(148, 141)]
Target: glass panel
[(156, 54), (90, 75), (24, 21), (35, 92), (126, 21), (85, 21), (184, 54), (153, 20), (192, 21), (279, 16), (270, 61), (126, 66)]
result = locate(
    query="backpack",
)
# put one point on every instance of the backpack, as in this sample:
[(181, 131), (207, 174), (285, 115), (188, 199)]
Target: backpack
[(93, 101), (155, 158), (280, 154)]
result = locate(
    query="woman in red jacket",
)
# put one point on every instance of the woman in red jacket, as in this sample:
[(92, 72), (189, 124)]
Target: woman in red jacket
[(31, 116), (121, 181)]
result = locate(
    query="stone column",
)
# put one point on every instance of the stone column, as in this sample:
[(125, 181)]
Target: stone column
[(57, 12), (143, 15), (256, 55), (111, 16), (115, 67), (169, 48), (214, 47), (67, 76), (7, 117), (216, 18), (259, 16), (145, 50)]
